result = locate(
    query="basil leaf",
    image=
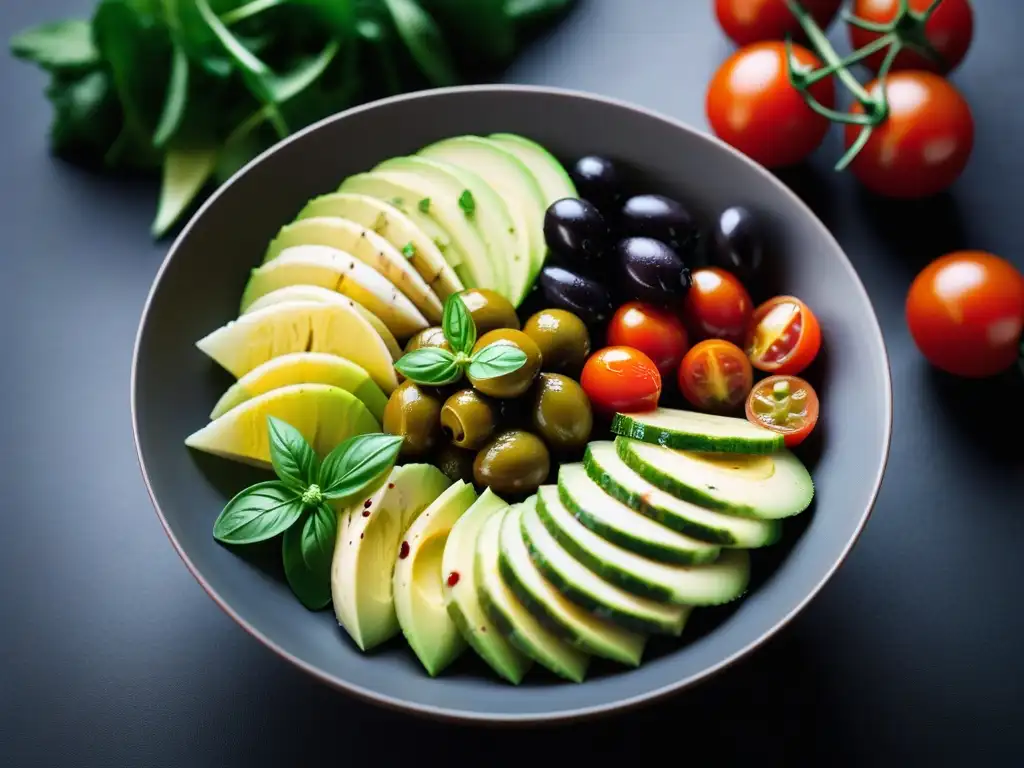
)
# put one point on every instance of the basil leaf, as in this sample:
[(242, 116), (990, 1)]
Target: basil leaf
[(58, 46), (426, 44), (356, 463), (294, 460), (431, 365), (318, 535), (457, 325), (467, 202), (312, 587), (176, 99), (258, 513), (185, 173), (496, 360)]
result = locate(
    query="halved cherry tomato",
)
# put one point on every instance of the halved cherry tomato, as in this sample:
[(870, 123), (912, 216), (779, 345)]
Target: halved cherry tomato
[(621, 379), (656, 332), (784, 404), (717, 306), (750, 21), (966, 313), (949, 30), (784, 336), (715, 376), (752, 105)]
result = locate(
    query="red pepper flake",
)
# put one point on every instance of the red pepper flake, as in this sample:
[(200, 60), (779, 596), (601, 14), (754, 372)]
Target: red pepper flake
[(391, 485), (453, 578), (483, 629), (403, 551), (366, 513), (361, 535), (368, 503)]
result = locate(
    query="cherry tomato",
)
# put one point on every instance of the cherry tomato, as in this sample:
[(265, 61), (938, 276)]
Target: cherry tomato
[(784, 404), (656, 332), (621, 379), (923, 145), (715, 376), (949, 30), (751, 105), (784, 336), (751, 21), (966, 313), (717, 306)]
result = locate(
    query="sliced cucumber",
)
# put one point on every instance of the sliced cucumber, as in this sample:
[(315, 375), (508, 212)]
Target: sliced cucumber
[(512, 619), (608, 470), (621, 525), (554, 180), (691, 431), (768, 487), (580, 628)]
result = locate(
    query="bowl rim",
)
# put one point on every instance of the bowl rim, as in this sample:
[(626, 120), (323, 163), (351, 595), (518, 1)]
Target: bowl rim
[(448, 714)]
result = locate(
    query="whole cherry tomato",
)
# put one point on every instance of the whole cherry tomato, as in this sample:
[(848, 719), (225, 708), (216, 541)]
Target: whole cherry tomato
[(752, 106), (784, 404), (621, 379), (715, 376), (656, 332), (784, 336), (717, 306), (751, 21), (923, 145), (949, 30), (966, 313)]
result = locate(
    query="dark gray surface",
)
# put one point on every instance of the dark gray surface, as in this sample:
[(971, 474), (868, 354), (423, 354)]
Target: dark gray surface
[(113, 655)]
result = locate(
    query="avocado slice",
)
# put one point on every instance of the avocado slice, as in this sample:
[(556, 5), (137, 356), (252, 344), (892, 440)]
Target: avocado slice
[(369, 534), (692, 431), (608, 470), (511, 179), (554, 180), (768, 486), (708, 583), (509, 615), (461, 592), (419, 596)]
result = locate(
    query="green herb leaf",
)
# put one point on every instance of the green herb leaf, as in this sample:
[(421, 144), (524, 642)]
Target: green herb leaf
[(535, 11), (409, 250), (357, 463), (496, 360), (424, 205), (482, 30), (58, 46), (258, 513), (294, 461), (430, 365), (176, 100), (424, 40), (311, 585), (186, 172), (87, 117), (318, 536), (457, 325), (467, 202)]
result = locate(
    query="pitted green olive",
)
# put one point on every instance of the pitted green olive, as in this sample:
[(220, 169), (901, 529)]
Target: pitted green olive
[(415, 414), (468, 419), (489, 310), (561, 412), (517, 382), (513, 462)]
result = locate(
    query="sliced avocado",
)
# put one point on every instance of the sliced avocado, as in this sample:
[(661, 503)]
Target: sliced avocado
[(580, 628), (554, 180), (608, 470), (768, 486), (419, 596), (366, 551), (615, 522), (461, 592), (708, 583), (516, 184), (692, 431)]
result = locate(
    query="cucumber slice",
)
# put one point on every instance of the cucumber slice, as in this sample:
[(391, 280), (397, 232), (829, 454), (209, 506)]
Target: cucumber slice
[(765, 487), (691, 431), (513, 620), (621, 525), (578, 627), (588, 590), (608, 470)]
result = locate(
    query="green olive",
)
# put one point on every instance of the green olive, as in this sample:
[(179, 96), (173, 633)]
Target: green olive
[(428, 337), (456, 463), (517, 382), (562, 337), (489, 310), (414, 413), (561, 412), (468, 419), (513, 462)]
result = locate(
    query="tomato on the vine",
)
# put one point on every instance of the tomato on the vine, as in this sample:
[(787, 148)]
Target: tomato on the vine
[(965, 311), (621, 379), (784, 404), (655, 331), (752, 105), (717, 306), (784, 336), (923, 145), (715, 376), (949, 31), (751, 21)]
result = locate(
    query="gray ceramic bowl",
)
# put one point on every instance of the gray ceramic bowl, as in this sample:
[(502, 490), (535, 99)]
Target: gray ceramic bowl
[(198, 288)]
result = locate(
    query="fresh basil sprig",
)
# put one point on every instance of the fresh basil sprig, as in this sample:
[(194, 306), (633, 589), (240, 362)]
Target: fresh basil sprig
[(297, 503), (435, 367)]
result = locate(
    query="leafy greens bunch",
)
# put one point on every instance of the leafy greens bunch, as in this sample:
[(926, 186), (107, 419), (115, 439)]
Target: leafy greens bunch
[(195, 89)]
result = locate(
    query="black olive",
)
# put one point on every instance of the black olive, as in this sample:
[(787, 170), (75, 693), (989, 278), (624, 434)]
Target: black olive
[(576, 231), (597, 182), (738, 242), (651, 271), (660, 218), (584, 297)]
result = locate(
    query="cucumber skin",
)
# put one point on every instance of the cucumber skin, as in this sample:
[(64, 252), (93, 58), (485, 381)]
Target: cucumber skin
[(625, 425), (649, 549)]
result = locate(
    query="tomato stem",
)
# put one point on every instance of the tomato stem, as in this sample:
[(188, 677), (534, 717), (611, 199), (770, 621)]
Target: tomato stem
[(826, 51), (853, 58)]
